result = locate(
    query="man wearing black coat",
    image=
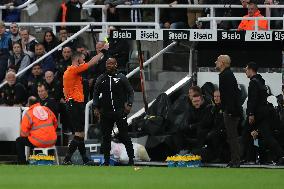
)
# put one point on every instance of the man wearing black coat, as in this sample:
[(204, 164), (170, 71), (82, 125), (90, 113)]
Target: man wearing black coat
[(230, 98), (192, 135), (115, 103), (259, 112), (70, 12), (217, 135), (45, 100)]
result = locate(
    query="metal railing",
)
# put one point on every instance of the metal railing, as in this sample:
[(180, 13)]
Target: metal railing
[(157, 8), (136, 70), (215, 19), (24, 5), (53, 25)]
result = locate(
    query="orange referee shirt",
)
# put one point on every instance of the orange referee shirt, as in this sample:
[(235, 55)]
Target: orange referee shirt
[(72, 82)]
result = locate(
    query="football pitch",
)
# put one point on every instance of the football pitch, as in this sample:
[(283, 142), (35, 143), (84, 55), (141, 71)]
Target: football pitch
[(77, 177)]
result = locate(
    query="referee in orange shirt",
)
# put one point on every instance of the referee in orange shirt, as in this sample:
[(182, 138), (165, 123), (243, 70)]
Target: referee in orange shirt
[(74, 96)]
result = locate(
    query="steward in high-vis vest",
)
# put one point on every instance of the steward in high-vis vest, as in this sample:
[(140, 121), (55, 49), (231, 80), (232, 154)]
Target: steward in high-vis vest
[(250, 24), (38, 129)]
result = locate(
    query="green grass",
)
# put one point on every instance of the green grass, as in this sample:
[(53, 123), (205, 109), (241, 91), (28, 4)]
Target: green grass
[(77, 177)]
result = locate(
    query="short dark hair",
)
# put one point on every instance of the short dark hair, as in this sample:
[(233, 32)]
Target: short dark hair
[(253, 66), (196, 89), (76, 55), (36, 65), (32, 100), (42, 85), (39, 44)]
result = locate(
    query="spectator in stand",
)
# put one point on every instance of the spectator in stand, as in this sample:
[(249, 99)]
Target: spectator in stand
[(110, 11), (15, 35), (194, 14), (277, 24), (47, 101), (119, 49), (47, 64), (53, 86), (63, 63), (174, 18), (63, 36), (70, 12), (250, 24), (13, 93), (135, 13), (149, 14), (35, 79), (50, 42), (28, 42), (96, 14), (10, 14), (18, 59), (4, 50)]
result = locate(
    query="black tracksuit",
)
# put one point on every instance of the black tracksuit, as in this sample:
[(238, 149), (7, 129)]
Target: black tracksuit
[(111, 93), (193, 133), (258, 107)]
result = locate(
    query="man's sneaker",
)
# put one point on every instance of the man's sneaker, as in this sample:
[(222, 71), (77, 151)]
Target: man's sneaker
[(89, 163), (233, 165), (67, 162)]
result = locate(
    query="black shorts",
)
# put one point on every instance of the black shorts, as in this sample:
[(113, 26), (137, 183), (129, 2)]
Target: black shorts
[(76, 114)]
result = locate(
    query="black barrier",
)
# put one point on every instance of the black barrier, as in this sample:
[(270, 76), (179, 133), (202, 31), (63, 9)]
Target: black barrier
[(263, 47), (265, 54), (197, 35)]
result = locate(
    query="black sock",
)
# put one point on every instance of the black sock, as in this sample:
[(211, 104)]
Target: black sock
[(72, 148), (82, 149)]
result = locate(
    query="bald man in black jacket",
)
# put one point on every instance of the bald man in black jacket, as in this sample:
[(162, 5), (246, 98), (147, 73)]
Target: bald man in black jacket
[(230, 98)]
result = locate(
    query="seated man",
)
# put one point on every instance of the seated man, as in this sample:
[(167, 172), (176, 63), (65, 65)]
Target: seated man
[(45, 100), (174, 18), (35, 79), (4, 50), (38, 129), (199, 120), (250, 24), (217, 135), (13, 93), (28, 42), (47, 64), (53, 86)]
